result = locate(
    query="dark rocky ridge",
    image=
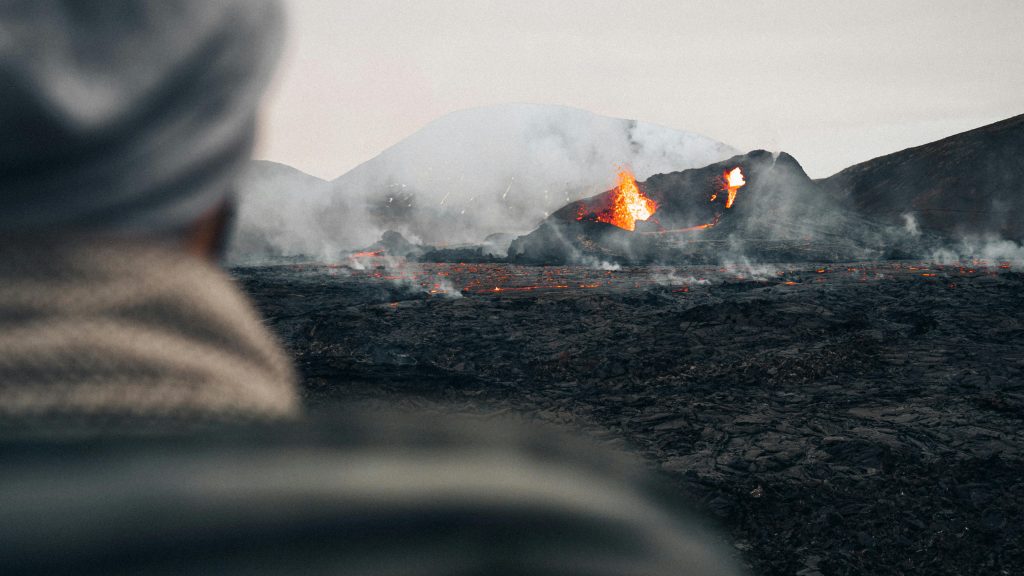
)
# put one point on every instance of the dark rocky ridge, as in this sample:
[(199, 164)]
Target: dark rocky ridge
[(970, 183)]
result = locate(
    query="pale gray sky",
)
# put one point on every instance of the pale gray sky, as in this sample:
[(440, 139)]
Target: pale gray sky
[(833, 83)]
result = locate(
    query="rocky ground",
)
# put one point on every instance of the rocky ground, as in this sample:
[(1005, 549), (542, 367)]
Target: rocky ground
[(839, 419)]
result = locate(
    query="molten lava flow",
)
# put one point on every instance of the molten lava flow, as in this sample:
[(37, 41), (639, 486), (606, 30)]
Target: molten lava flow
[(733, 181), (629, 204)]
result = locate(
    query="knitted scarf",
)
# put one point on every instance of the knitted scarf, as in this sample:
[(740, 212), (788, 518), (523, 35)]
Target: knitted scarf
[(118, 329)]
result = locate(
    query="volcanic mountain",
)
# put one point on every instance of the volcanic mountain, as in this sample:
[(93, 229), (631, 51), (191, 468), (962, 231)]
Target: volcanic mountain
[(967, 184), (464, 177), (758, 205), (905, 204)]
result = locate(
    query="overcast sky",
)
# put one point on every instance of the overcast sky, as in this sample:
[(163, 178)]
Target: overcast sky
[(833, 83)]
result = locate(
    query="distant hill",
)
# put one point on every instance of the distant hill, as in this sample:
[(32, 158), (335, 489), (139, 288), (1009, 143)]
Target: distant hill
[(275, 204), (968, 184)]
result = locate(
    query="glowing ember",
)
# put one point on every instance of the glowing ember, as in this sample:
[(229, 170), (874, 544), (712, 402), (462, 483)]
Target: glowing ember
[(629, 204), (688, 228), (733, 181)]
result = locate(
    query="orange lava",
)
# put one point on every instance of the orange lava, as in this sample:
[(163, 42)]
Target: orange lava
[(734, 180), (629, 204)]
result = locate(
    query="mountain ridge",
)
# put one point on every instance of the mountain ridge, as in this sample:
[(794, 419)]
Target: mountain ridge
[(968, 183)]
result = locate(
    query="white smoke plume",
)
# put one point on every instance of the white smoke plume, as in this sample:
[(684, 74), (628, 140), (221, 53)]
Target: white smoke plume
[(991, 249), (910, 225), (747, 269), (407, 275), (276, 203)]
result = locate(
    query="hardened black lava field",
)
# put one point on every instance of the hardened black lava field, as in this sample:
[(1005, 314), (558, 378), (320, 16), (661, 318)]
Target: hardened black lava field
[(834, 419)]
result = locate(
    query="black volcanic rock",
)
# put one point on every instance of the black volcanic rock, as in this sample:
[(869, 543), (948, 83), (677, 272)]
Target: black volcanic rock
[(967, 184), (780, 214), (863, 423), (394, 244), (779, 200)]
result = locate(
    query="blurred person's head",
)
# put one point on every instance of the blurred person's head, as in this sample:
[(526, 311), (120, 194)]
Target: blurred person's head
[(129, 119), (125, 124)]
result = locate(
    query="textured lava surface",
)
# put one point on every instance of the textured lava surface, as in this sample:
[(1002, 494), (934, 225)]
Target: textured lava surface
[(833, 419)]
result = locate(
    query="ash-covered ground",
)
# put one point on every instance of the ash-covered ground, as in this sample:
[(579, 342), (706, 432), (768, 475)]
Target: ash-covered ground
[(834, 419)]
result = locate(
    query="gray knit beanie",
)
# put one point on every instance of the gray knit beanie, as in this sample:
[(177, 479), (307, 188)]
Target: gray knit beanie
[(127, 116)]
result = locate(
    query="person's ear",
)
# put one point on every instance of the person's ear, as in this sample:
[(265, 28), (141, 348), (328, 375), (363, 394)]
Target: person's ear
[(208, 236)]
